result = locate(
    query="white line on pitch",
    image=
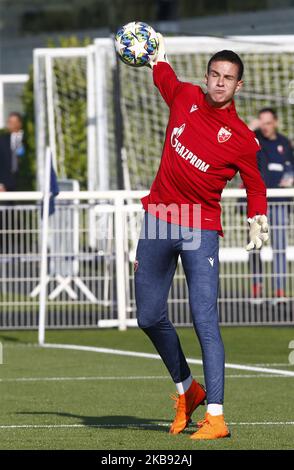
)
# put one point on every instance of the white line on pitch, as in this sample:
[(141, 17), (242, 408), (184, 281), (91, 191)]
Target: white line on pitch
[(120, 352), (273, 364), (41, 379), (7, 345), (147, 377), (135, 425), (262, 364)]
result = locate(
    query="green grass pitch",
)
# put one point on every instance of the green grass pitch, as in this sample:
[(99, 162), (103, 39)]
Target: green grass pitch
[(65, 399)]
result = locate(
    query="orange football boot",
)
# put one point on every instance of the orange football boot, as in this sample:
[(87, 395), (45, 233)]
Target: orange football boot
[(211, 427), (185, 404)]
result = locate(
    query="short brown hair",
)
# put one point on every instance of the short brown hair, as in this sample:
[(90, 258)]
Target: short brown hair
[(229, 56)]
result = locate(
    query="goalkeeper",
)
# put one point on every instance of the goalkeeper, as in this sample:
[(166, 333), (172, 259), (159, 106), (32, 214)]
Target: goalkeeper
[(206, 143)]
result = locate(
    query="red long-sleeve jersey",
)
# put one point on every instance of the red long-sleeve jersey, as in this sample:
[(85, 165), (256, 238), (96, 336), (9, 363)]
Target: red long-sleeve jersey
[(204, 148)]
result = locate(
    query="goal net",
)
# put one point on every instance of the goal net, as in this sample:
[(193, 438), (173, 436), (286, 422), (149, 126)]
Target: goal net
[(268, 81), (103, 119)]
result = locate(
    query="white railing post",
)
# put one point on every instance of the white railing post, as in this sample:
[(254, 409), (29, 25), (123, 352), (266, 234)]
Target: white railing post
[(2, 118), (43, 269), (91, 120), (40, 112), (91, 140), (101, 119), (50, 109), (120, 263)]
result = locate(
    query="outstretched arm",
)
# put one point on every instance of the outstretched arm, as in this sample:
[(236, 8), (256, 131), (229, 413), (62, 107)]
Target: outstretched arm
[(164, 77), (253, 183), (256, 200)]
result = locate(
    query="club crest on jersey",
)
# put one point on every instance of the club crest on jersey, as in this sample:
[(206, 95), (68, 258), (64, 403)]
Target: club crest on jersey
[(224, 134)]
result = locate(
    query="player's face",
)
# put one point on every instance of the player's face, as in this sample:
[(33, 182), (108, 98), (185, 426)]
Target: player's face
[(222, 83), (268, 125)]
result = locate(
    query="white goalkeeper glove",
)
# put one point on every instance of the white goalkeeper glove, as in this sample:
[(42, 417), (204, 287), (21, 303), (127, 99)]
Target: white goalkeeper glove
[(258, 232), (161, 54)]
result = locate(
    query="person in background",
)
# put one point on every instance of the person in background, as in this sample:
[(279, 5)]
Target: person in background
[(276, 165), (11, 149)]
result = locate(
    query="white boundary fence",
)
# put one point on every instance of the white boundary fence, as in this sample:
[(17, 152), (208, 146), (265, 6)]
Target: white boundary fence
[(100, 290)]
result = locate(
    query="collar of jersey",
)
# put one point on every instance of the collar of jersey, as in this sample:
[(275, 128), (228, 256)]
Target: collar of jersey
[(229, 110)]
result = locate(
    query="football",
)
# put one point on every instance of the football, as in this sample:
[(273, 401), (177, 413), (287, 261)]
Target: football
[(136, 43)]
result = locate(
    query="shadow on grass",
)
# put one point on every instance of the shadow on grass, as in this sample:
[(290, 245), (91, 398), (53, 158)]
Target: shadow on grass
[(11, 339), (108, 422)]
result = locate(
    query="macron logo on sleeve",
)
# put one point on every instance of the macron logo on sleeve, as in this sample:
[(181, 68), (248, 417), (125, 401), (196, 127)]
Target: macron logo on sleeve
[(194, 107)]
